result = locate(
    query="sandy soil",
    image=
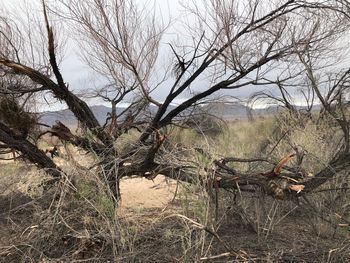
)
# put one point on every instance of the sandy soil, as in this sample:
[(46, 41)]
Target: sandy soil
[(136, 192), (153, 238), (144, 193)]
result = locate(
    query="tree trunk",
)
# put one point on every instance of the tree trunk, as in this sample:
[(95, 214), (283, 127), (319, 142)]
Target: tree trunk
[(29, 151)]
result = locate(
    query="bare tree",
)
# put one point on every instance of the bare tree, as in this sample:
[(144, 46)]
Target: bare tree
[(234, 45)]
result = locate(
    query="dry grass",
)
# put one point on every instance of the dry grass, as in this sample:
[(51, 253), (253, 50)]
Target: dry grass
[(76, 220)]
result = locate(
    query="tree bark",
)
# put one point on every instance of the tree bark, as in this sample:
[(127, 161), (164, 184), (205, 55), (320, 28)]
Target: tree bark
[(29, 151)]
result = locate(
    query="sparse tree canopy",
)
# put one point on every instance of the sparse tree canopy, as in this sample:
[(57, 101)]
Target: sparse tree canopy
[(229, 44)]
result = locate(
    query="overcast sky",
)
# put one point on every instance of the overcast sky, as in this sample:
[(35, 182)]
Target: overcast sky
[(79, 76), (72, 65)]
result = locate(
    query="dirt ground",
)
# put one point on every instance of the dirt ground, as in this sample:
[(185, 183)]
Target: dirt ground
[(136, 192), (141, 192), (146, 206)]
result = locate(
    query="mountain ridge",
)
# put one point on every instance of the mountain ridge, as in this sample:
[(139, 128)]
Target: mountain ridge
[(226, 111)]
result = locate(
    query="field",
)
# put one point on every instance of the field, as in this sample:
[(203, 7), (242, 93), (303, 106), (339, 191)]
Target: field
[(163, 220)]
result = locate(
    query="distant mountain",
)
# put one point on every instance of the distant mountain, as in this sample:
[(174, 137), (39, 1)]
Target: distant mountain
[(100, 112), (64, 116), (68, 118), (228, 111)]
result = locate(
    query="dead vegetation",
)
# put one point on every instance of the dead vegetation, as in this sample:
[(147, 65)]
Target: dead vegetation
[(16, 117), (77, 220), (271, 190)]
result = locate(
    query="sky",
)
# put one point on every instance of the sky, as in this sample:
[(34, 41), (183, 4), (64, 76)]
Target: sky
[(80, 77), (74, 71), (72, 65)]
